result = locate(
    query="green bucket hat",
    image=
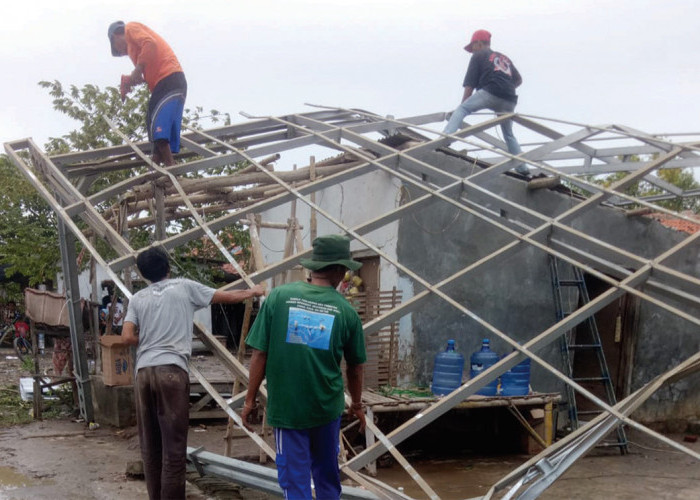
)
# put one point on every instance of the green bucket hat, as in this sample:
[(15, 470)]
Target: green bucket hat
[(329, 250)]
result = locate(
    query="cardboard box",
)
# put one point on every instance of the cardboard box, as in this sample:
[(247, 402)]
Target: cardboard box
[(117, 363)]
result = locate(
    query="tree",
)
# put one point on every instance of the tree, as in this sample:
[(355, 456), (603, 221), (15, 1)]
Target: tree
[(88, 104), (682, 178), (28, 233), (27, 228)]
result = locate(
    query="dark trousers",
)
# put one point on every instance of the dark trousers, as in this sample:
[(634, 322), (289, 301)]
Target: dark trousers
[(162, 415)]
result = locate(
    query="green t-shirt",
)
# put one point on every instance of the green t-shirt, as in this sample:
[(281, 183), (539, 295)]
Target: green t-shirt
[(306, 330)]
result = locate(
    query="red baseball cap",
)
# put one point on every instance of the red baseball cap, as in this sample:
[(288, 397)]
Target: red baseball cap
[(478, 36)]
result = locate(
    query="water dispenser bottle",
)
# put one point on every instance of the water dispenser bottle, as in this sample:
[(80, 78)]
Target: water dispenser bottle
[(480, 361), (516, 381), (447, 373)]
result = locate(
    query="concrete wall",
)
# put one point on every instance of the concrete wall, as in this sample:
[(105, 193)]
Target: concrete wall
[(514, 294)]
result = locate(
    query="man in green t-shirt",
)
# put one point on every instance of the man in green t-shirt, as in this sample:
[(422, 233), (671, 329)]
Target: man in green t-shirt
[(303, 331)]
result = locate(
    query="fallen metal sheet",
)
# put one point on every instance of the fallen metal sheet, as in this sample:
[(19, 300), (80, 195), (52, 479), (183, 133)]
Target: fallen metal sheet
[(255, 476), (541, 471)]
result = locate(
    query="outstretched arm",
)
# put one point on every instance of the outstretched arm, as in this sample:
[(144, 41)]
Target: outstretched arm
[(235, 296)]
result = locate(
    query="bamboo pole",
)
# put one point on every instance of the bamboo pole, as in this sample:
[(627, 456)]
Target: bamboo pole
[(257, 264), (160, 212), (208, 183), (313, 228), (265, 162)]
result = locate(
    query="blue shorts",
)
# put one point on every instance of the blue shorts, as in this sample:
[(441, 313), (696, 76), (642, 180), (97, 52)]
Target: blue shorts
[(165, 110), (306, 453)]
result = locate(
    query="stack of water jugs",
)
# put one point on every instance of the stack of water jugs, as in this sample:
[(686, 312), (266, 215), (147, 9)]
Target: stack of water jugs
[(449, 364)]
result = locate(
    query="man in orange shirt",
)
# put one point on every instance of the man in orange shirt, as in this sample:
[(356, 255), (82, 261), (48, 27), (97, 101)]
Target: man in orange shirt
[(155, 63)]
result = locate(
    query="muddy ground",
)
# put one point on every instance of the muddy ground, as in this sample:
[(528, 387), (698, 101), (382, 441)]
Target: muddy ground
[(60, 458)]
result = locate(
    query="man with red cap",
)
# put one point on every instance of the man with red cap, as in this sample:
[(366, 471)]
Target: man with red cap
[(490, 83), (154, 63)]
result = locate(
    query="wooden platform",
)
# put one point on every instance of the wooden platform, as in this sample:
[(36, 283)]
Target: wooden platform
[(386, 403), (534, 412)]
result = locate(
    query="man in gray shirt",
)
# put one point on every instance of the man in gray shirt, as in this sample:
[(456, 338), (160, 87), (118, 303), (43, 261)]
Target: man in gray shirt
[(159, 322)]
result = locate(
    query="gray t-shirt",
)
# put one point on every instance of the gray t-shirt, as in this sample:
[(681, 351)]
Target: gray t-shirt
[(163, 313)]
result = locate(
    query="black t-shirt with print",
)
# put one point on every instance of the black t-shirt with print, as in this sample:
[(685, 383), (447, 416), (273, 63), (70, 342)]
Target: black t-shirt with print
[(494, 72)]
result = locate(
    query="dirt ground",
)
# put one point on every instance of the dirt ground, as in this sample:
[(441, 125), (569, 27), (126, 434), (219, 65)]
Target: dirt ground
[(60, 458), (650, 471)]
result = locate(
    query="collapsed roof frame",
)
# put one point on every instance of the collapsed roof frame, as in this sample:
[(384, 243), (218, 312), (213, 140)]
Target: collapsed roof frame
[(66, 179)]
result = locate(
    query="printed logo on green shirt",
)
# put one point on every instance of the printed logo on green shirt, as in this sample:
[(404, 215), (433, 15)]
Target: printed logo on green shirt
[(310, 328)]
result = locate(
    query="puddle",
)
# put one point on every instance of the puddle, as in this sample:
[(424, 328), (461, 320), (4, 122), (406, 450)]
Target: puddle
[(11, 479), (451, 479)]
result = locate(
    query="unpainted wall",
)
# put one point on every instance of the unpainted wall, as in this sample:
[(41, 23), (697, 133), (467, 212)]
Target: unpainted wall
[(515, 294)]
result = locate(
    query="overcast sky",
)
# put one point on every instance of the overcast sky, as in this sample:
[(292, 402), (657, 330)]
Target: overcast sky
[(632, 62)]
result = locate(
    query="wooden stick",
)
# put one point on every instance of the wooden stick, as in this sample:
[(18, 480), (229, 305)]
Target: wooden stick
[(402, 461), (544, 182), (313, 228)]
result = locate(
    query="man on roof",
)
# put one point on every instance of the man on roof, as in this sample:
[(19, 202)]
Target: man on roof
[(154, 63), (490, 83)]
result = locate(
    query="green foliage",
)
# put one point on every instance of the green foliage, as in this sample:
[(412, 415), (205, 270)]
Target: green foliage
[(28, 235), (682, 178), (13, 291), (194, 117), (200, 260), (87, 105), (27, 228), (28, 364), (13, 410)]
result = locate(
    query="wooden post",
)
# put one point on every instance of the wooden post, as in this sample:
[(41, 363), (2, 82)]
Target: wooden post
[(313, 229), (548, 423), (369, 441), (544, 182), (289, 240), (258, 263), (256, 247), (37, 400), (262, 457), (298, 240), (294, 200), (288, 249), (392, 339), (160, 211), (228, 438), (95, 312)]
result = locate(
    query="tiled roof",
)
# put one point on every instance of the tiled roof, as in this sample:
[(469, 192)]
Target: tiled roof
[(678, 224)]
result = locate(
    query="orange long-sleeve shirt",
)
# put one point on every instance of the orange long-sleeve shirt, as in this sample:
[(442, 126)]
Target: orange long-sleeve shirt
[(146, 47)]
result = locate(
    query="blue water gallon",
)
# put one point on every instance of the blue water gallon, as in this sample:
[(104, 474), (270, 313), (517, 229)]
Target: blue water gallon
[(480, 361), (447, 372), (516, 381)]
